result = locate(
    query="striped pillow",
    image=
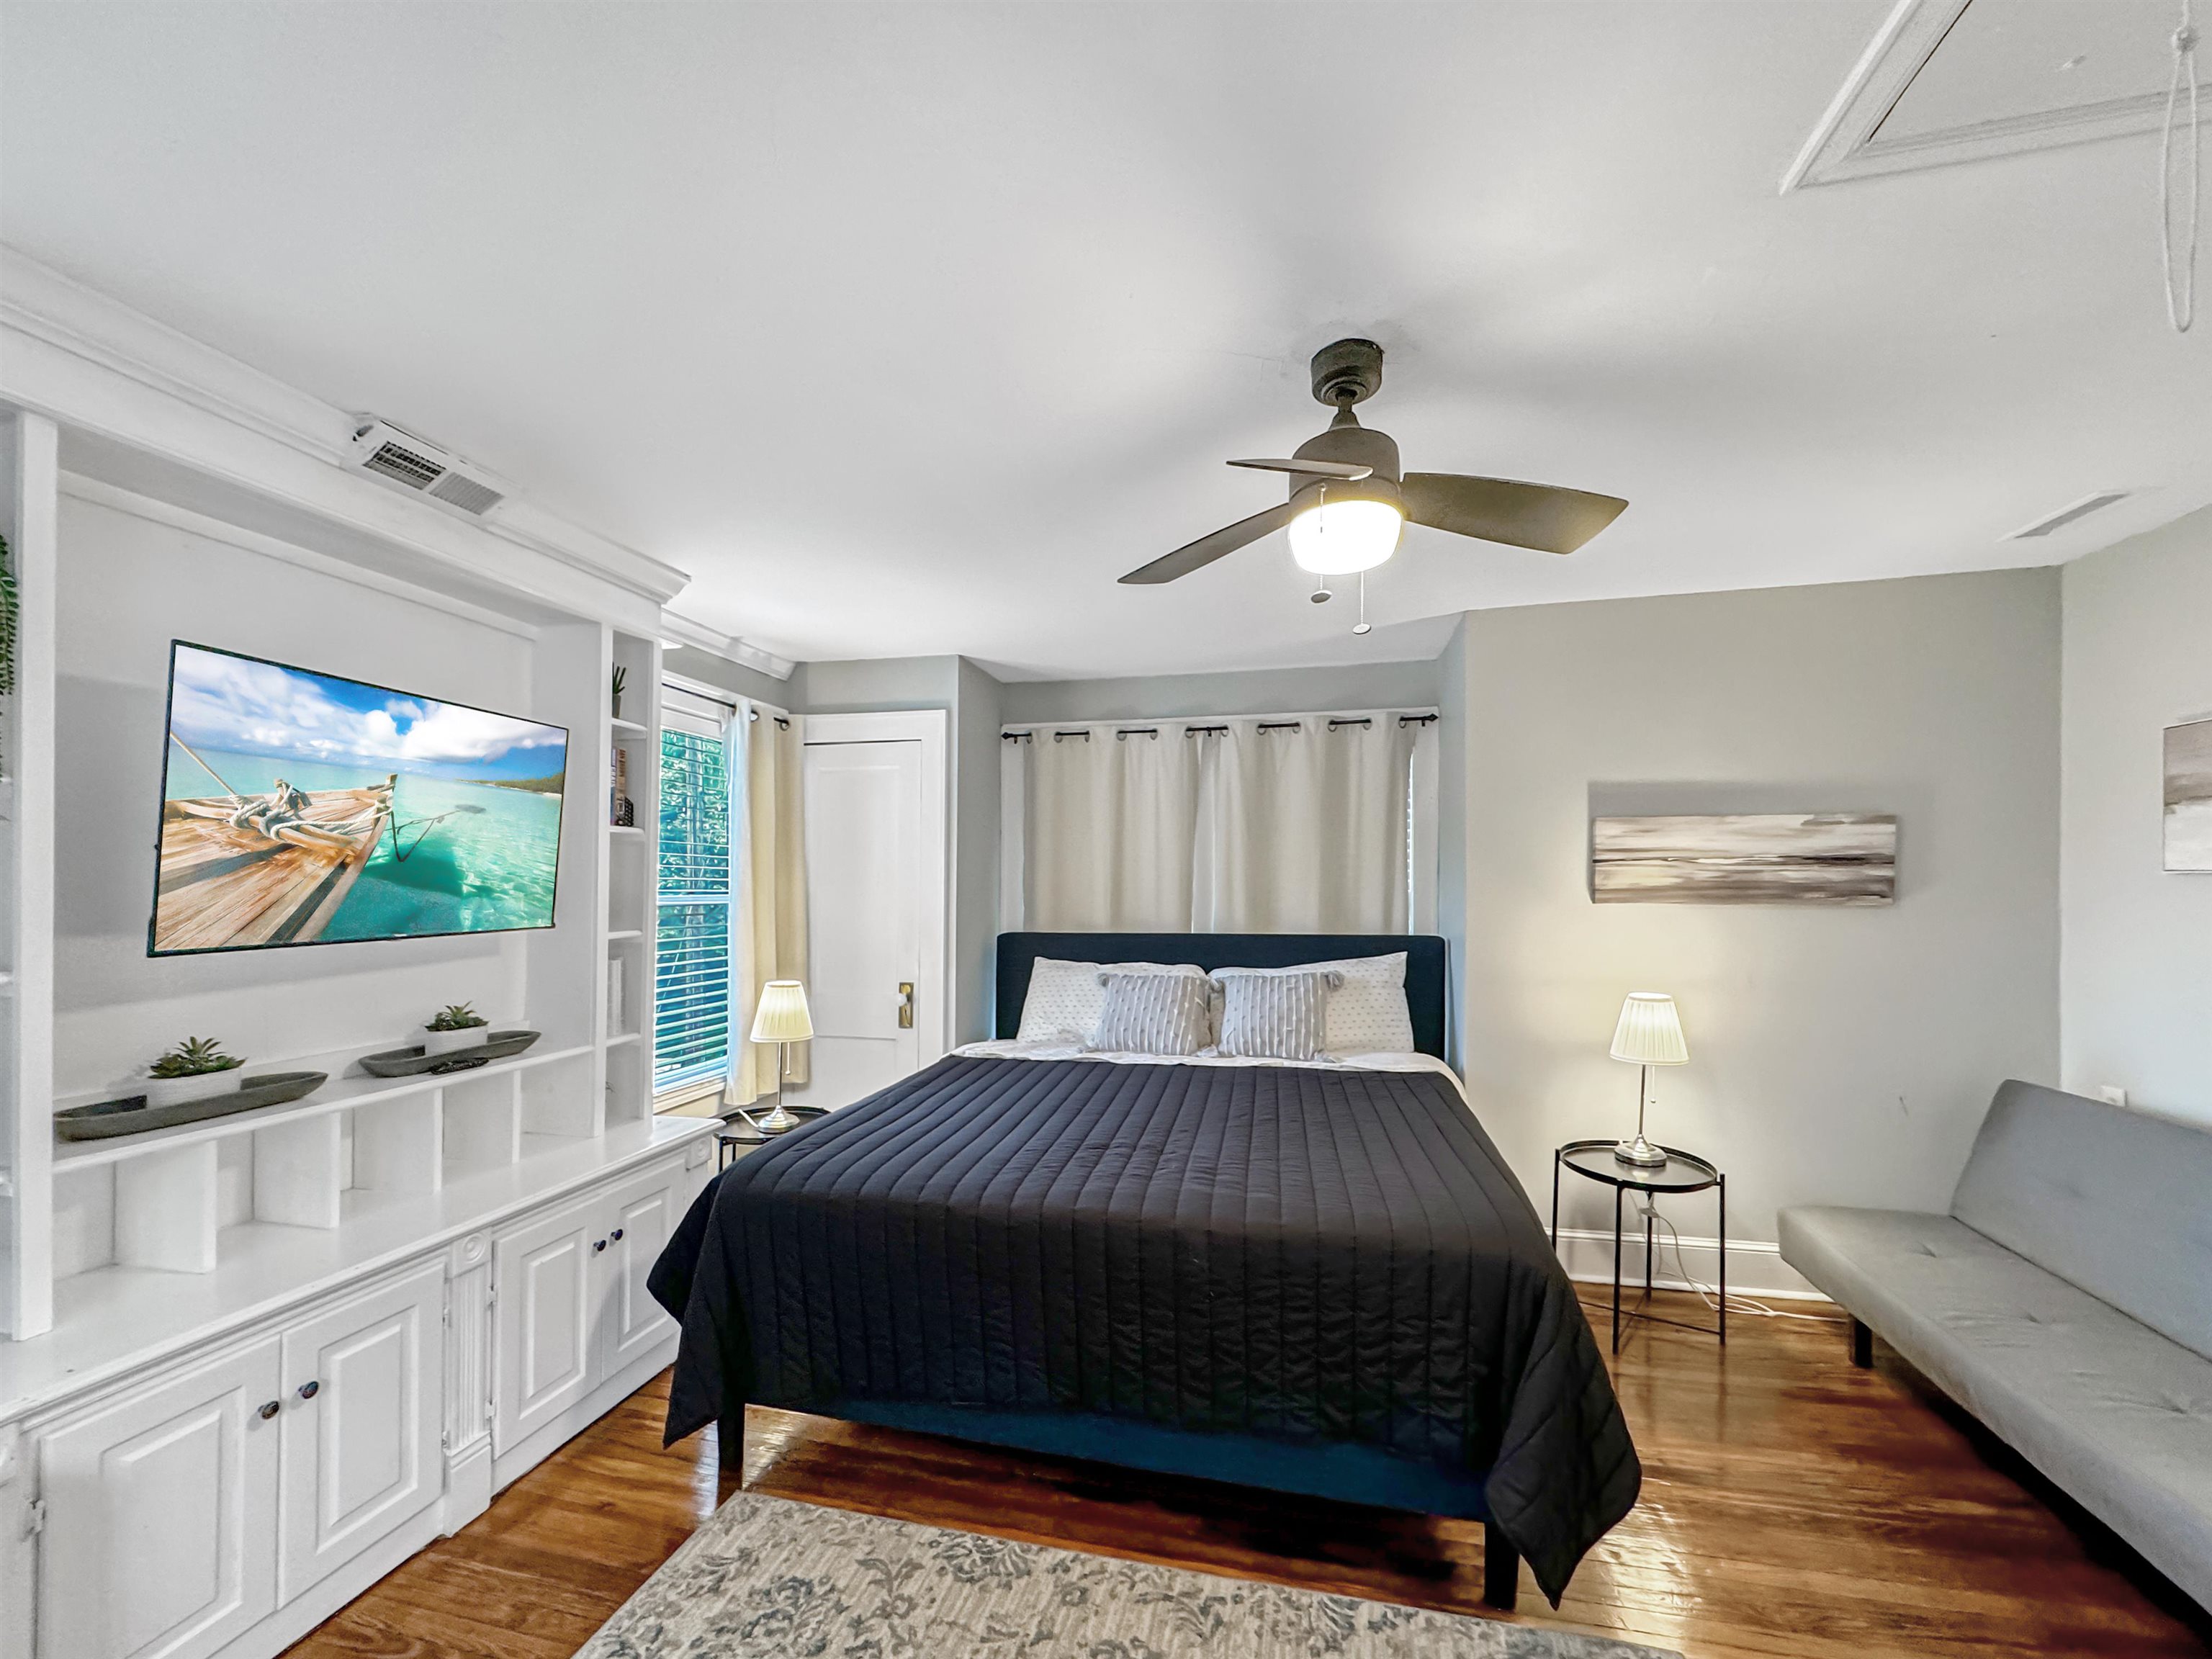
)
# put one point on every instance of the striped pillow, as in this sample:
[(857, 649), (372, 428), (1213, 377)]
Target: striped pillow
[(1153, 1014), (1275, 1016)]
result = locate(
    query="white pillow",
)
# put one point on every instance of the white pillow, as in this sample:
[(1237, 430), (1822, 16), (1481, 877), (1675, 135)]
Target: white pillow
[(1065, 997), (1367, 1011)]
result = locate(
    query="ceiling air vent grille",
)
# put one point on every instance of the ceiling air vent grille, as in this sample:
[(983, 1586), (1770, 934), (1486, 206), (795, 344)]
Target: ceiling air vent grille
[(470, 495), (423, 468), (2070, 513), (394, 461)]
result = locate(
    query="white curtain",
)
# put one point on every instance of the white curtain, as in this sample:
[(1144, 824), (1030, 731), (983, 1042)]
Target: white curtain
[(1304, 823), (768, 907), (1114, 810)]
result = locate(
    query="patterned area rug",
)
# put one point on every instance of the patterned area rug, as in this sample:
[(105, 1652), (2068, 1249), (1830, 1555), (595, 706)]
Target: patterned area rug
[(766, 1576)]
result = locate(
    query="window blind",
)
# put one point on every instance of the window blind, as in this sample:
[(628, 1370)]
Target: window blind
[(692, 973)]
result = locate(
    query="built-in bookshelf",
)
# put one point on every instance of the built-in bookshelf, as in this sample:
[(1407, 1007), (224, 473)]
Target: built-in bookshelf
[(626, 1003), (265, 1201)]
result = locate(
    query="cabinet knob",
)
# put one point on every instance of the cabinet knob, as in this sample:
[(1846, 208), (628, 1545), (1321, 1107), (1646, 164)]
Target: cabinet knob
[(309, 1390), (598, 1244), (615, 1235), (270, 1410)]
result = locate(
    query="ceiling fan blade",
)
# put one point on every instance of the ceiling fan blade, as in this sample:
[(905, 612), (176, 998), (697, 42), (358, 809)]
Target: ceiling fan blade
[(1319, 469), (1540, 516), (1206, 549)]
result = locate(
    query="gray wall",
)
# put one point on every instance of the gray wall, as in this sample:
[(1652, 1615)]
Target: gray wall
[(1452, 738), (875, 683), (1256, 691), (974, 850), (1838, 1055), (2136, 996)]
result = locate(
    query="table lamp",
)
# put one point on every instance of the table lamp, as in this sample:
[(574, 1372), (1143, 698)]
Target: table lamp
[(1649, 1034), (783, 1019)]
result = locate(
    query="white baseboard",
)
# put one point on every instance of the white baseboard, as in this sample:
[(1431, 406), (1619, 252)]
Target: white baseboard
[(1755, 1266), (468, 1485)]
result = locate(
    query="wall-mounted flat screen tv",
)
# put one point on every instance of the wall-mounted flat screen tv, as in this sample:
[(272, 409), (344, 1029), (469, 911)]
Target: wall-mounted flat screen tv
[(299, 808)]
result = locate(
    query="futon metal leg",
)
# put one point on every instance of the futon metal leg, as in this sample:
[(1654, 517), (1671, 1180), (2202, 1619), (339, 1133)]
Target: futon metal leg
[(1501, 1570), (1862, 1346)]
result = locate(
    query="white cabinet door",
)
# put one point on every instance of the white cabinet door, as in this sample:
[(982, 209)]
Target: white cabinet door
[(546, 1278), (361, 1421), (161, 1508), (640, 1217)]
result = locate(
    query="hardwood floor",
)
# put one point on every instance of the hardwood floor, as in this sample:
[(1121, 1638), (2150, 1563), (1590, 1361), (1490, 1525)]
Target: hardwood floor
[(1792, 1506)]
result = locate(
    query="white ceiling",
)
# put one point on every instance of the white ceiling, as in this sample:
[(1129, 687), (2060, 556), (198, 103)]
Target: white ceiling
[(907, 329)]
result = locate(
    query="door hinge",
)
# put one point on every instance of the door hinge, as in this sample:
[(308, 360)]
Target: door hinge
[(34, 1517)]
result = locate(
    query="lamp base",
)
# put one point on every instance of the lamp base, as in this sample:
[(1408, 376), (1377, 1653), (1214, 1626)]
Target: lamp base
[(1639, 1151), (778, 1120)]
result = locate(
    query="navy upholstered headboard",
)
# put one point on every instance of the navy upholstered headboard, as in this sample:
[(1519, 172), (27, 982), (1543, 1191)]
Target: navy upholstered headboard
[(1424, 964)]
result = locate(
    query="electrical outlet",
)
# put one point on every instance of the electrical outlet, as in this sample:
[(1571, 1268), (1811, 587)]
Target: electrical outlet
[(2112, 1094)]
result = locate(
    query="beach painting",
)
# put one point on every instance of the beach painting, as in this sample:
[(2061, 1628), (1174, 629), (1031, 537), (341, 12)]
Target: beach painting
[(2189, 797), (299, 808), (1763, 858)]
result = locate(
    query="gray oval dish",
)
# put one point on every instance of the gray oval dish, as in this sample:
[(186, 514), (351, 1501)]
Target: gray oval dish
[(132, 1115), (413, 1062)]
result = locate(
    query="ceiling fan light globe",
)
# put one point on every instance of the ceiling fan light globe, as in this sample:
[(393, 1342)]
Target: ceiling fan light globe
[(1339, 537)]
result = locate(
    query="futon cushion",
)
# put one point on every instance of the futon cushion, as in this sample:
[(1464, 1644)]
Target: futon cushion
[(2112, 1411), (2110, 1199), (1153, 1014)]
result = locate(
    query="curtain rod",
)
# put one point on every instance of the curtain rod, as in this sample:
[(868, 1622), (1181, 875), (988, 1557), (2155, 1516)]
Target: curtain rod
[(1416, 715)]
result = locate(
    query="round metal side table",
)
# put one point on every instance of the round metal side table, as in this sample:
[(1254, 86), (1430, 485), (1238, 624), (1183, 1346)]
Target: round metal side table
[(1682, 1172)]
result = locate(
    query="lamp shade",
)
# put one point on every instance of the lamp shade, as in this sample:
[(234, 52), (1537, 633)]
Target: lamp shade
[(782, 1016), (1649, 1032)]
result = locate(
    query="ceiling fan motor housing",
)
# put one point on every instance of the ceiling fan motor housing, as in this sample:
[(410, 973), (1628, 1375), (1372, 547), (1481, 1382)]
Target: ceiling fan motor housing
[(1361, 446)]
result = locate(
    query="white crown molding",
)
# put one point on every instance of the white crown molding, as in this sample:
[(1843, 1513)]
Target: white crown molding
[(41, 304), (728, 646), (1846, 144)]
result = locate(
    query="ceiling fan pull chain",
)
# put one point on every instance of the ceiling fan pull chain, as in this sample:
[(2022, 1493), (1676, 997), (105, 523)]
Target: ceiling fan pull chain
[(1362, 626), (2181, 288)]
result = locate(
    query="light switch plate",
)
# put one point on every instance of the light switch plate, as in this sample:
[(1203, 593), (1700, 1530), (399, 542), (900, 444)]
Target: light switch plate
[(2113, 1095)]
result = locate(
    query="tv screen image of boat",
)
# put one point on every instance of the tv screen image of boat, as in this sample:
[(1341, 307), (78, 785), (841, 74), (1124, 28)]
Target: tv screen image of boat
[(299, 808)]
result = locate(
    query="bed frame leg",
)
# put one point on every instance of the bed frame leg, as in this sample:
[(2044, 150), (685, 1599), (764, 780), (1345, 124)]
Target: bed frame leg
[(1501, 1570), (1862, 1346), (730, 1444)]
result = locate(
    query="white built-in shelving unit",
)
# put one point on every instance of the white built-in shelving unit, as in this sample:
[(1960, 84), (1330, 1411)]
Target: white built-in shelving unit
[(631, 916), (110, 1247)]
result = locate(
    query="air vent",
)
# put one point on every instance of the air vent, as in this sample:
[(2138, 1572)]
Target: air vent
[(394, 461), (2069, 515), (471, 495), (423, 468)]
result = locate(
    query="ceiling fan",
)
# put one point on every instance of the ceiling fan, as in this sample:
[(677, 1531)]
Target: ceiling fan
[(1348, 501)]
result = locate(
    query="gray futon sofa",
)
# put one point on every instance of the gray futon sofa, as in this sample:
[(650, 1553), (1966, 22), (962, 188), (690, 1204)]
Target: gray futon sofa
[(2066, 1301)]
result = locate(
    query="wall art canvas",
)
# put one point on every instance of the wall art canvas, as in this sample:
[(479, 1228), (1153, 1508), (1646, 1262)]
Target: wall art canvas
[(299, 808), (2189, 797), (1763, 858)]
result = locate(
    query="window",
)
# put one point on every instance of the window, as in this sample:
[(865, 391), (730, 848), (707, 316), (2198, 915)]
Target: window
[(691, 979)]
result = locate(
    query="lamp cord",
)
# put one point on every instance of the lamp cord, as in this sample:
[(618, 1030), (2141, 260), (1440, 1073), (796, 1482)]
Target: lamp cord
[(1737, 1303), (2181, 276)]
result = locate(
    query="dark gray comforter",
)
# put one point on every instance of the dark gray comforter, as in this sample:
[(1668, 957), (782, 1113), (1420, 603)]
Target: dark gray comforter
[(1301, 1255)]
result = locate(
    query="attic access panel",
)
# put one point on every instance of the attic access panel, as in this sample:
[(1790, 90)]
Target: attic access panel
[(1951, 81)]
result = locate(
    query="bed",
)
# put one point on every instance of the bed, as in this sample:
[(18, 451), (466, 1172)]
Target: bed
[(1309, 1278)]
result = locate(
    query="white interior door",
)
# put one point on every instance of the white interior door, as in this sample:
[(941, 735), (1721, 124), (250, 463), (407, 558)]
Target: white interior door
[(362, 1417), (162, 1516), (865, 908)]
